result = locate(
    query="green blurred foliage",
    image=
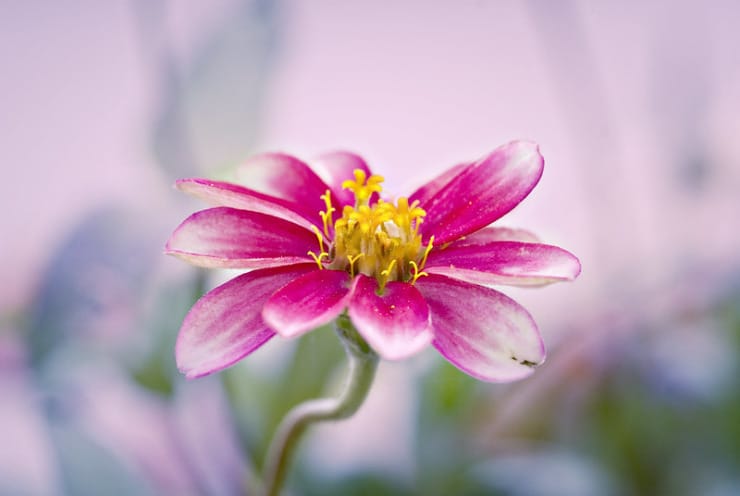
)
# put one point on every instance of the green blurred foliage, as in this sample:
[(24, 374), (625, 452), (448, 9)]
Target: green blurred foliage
[(93, 275), (260, 402), (625, 432), (156, 369), (662, 442), (80, 456)]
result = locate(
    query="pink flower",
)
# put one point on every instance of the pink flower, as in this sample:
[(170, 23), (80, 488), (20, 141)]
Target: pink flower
[(408, 273)]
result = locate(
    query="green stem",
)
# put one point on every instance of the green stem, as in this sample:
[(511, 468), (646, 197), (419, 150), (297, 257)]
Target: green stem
[(362, 365)]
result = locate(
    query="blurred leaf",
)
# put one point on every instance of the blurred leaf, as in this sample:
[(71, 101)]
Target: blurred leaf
[(447, 392), (211, 110), (448, 405), (261, 402), (365, 484), (658, 443), (90, 292), (156, 369), (542, 471), (89, 470)]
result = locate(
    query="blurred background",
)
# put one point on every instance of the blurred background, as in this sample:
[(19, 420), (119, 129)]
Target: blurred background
[(636, 107)]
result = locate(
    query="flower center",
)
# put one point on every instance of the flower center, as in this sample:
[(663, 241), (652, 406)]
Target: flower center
[(381, 240)]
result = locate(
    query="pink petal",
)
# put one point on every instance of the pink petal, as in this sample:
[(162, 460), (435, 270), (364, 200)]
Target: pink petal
[(226, 237), (287, 178), (428, 190), (483, 192), (337, 167), (308, 302), (396, 323), (490, 234), (482, 332), (226, 324), (221, 194), (505, 262)]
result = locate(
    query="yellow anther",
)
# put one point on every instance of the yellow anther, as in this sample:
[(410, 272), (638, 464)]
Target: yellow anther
[(326, 215), (318, 258), (417, 273), (404, 215), (415, 211), (363, 187), (387, 273), (358, 182), (426, 252), (360, 177), (417, 225), (374, 181), (391, 266), (317, 232), (384, 211), (352, 261), (380, 240)]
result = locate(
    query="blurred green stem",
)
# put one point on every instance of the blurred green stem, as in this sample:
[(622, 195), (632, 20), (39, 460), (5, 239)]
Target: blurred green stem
[(362, 365)]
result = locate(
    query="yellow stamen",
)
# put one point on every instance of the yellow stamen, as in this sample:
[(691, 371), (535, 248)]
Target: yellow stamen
[(417, 273), (352, 261), (318, 258), (391, 266), (380, 240), (386, 275), (319, 237), (363, 190), (326, 214), (426, 252), (406, 214)]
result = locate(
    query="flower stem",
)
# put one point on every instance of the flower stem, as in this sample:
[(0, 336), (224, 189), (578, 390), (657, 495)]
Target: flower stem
[(362, 365)]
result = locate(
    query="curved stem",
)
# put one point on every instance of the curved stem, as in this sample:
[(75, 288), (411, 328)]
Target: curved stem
[(362, 365)]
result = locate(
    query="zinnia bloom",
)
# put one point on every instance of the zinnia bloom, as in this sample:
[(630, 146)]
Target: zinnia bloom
[(408, 272)]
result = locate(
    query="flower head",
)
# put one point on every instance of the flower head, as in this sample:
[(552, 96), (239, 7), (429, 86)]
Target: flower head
[(408, 272)]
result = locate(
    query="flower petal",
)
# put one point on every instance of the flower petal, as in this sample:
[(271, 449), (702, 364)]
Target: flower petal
[(337, 167), (483, 192), (226, 324), (227, 237), (482, 332), (428, 190), (221, 194), (396, 323), (285, 177), (490, 234), (308, 302), (505, 262)]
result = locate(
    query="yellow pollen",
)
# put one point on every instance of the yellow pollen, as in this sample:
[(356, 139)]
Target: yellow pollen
[(380, 240)]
